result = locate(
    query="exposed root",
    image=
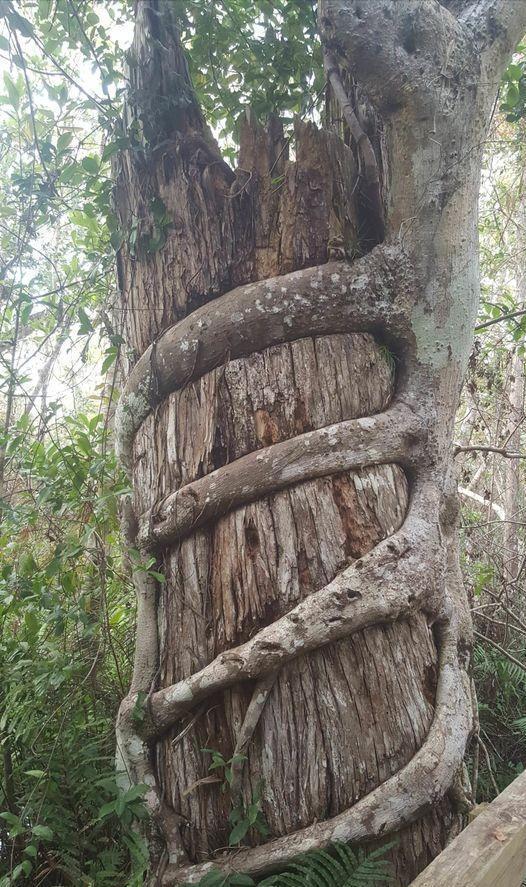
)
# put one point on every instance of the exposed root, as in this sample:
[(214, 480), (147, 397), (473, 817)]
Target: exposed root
[(398, 801), (134, 765), (147, 643), (400, 576), (254, 712), (373, 294), (405, 573), (389, 437)]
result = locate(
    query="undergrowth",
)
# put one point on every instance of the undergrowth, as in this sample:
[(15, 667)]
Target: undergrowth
[(339, 866), (501, 689)]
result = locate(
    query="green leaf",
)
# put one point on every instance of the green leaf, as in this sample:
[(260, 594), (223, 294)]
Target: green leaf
[(158, 576), (514, 72), (21, 24), (237, 759), (253, 811), (91, 165), (12, 91), (84, 444), (32, 623), (116, 239), (158, 209), (54, 567), (85, 323), (136, 791), (106, 810), (138, 713), (16, 873), (63, 141), (512, 96), (37, 774), (238, 832), (340, 866), (112, 148), (11, 819), (25, 313), (109, 360), (42, 831)]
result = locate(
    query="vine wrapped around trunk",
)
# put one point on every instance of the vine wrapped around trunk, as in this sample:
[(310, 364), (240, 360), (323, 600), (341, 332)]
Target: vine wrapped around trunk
[(257, 257)]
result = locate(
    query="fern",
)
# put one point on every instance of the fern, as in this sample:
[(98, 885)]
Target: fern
[(340, 866), (215, 878)]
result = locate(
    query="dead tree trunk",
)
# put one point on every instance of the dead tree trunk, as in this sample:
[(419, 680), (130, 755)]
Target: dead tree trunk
[(287, 427)]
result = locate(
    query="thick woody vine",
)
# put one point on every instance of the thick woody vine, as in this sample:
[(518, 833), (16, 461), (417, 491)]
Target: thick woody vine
[(404, 573), (390, 294)]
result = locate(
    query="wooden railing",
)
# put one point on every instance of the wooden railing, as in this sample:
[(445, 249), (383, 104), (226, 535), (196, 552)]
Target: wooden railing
[(490, 852)]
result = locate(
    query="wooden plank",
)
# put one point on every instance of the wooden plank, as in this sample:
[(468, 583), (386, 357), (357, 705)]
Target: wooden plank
[(490, 852)]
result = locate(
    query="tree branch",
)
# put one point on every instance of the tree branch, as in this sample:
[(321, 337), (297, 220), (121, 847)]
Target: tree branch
[(134, 767), (502, 451), (510, 316), (503, 652), (476, 497), (260, 695), (133, 757)]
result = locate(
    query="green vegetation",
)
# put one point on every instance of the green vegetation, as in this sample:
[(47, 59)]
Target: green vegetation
[(339, 866)]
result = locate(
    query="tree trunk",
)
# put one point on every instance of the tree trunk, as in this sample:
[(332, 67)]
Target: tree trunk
[(287, 426)]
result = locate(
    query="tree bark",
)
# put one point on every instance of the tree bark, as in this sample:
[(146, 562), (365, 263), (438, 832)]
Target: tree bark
[(287, 425)]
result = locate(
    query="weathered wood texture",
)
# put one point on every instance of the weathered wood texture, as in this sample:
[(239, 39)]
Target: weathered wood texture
[(271, 216), (342, 720), (338, 721), (490, 852), (362, 708)]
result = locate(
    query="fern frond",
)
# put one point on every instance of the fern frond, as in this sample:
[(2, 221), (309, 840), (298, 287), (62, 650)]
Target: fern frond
[(317, 873), (347, 856), (342, 868), (339, 866), (335, 867)]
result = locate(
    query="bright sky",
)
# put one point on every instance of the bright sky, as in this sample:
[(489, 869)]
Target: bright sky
[(71, 378)]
